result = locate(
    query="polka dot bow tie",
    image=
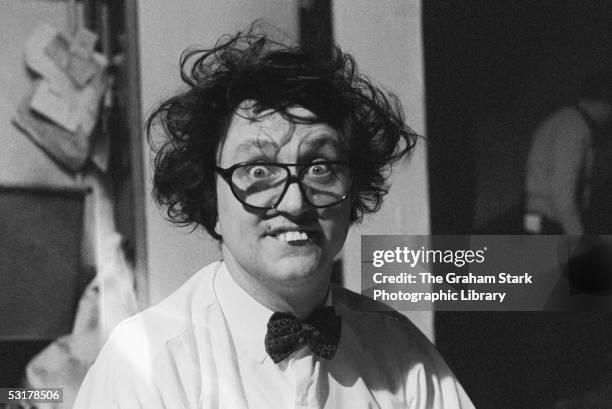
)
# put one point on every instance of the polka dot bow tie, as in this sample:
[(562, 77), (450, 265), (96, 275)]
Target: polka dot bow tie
[(320, 331)]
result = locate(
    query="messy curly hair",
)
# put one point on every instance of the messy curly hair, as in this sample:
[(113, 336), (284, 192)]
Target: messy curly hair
[(274, 77)]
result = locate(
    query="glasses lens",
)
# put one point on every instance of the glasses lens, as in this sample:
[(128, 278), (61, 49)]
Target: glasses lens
[(259, 185), (326, 184)]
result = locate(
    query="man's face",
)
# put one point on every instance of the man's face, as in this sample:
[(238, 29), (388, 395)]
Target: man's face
[(295, 241)]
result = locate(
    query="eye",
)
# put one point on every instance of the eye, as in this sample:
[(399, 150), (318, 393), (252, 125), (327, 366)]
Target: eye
[(261, 171), (320, 169)]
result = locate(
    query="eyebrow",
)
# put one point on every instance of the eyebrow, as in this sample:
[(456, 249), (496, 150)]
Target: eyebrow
[(270, 148), (256, 146), (318, 140)]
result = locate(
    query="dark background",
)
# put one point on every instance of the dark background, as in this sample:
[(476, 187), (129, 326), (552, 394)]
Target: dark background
[(493, 69)]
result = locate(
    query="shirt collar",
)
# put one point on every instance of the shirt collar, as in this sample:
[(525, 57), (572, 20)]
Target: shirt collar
[(246, 318)]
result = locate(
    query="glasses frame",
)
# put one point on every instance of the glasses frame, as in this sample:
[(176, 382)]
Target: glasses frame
[(226, 174)]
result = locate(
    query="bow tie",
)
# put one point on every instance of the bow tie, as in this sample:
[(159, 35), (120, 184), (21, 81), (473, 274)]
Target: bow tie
[(321, 331)]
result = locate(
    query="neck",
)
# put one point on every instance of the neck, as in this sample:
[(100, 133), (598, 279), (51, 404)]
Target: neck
[(298, 298)]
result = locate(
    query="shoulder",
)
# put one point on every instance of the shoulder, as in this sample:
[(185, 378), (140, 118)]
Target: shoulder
[(365, 315), (386, 343), (567, 119), (143, 336), (141, 350), (566, 114)]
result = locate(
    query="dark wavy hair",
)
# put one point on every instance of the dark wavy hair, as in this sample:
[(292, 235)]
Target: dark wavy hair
[(250, 66)]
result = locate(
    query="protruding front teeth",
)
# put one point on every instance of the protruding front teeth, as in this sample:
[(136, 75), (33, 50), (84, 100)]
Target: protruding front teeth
[(293, 236)]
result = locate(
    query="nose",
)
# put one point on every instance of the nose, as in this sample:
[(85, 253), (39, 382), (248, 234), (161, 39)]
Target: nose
[(293, 201)]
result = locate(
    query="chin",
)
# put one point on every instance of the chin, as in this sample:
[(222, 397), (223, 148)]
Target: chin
[(298, 268)]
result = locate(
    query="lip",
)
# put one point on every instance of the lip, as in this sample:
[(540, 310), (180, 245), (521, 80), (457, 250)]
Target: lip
[(314, 235), (285, 229)]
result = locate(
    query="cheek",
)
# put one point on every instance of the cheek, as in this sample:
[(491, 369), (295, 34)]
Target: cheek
[(337, 221), (223, 197), (228, 216), (234, 220)]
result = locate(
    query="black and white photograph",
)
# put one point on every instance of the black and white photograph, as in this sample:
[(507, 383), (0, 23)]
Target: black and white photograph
[(306, 204)]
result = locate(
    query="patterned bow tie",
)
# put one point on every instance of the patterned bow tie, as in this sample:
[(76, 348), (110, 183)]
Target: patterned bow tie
[(321, 331)]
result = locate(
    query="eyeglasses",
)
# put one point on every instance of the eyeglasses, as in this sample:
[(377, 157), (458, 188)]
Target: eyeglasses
[(263, 185)]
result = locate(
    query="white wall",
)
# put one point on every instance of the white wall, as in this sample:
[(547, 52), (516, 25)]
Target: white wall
[(385, 38), (166, 29), (21, 161)]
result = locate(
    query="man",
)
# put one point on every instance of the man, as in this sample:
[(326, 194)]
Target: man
[(275, 151), (569, 166), (569, 174)]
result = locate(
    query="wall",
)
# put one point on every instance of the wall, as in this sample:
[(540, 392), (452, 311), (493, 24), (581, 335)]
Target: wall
[(387, 44), (21, 161), (173, 254), (27, 267)]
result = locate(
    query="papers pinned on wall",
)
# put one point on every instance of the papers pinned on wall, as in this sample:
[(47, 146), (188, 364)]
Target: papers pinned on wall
[(61, 111)]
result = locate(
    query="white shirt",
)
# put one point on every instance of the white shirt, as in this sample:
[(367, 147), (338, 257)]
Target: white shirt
[(203, 347), (560, 152)]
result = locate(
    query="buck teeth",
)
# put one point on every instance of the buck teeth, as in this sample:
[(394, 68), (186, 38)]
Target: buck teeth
[(292, 236)]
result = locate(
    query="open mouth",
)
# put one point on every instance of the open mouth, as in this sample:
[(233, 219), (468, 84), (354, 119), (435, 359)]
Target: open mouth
[(294, 237)]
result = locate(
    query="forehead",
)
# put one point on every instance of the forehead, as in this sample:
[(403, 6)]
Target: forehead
[(270, 132)]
